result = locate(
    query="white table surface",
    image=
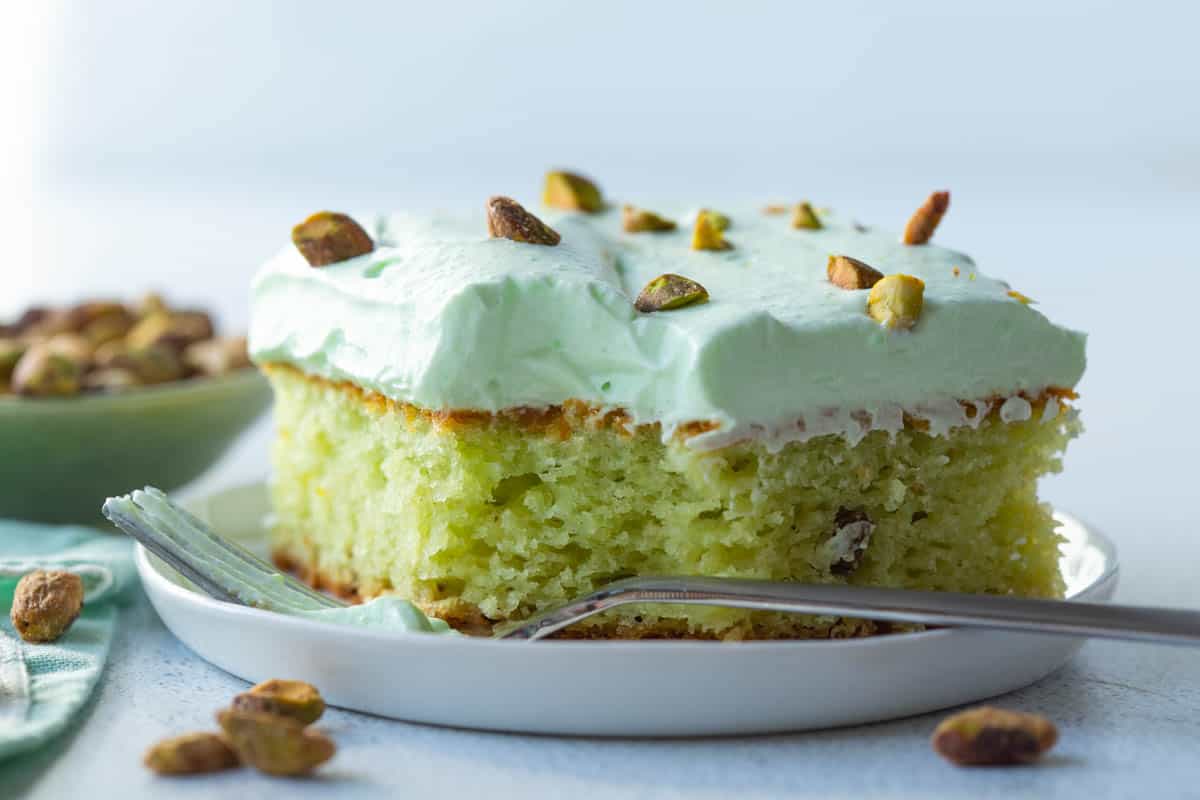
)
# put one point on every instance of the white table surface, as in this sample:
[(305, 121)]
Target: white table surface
[(1121, 265)]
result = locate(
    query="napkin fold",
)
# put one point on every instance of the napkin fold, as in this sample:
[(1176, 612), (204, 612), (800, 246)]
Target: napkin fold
[(43, 686)]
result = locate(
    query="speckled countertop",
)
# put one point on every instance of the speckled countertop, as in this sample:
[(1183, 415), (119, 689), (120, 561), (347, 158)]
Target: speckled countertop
[(1129, 714)]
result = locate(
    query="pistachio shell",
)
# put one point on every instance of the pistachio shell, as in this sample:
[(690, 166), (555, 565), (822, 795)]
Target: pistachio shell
[(191, 754), (273, 744)]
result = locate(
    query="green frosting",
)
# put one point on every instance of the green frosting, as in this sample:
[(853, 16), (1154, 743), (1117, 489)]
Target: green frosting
[(443, 317)]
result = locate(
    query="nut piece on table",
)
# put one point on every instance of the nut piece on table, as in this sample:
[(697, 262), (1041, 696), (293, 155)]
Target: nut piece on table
[(986, 736), (217, 356), (572, 192), (639, 220), (508, 219), (43, 373), (175, 329), (670, 291), (896, 301), (328, 237), (708, 234), (849, 273), (925, 219), (191, 754), (805, 218), (773, 209), (45, 604), (294, 699), (273, 744)]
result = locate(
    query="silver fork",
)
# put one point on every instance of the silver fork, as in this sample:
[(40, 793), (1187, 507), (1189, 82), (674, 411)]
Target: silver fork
[(229, 572)]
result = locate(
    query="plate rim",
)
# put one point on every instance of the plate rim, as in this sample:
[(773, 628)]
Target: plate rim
[(151, 574)]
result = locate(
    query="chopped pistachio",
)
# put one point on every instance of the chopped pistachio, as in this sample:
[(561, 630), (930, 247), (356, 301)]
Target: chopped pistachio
[(328, 237), (985, 735), (572, 192), (45, 604), (925, 219), (805, 218), (707, 235), (670, 291), (850, 273), (508, 219), (43, 373), (274, 744), (295, 699), (773, 209), (1020, 298), (191, 754), (896, 301), (639, 220), (719, 221)]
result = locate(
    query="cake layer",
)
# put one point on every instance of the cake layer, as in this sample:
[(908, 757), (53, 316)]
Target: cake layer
[(483, 518), (442, 317)]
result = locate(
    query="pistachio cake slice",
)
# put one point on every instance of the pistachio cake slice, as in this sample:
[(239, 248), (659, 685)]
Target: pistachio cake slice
[(492, 414)]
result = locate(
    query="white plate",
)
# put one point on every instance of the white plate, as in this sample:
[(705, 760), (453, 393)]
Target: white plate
[(614, 688)]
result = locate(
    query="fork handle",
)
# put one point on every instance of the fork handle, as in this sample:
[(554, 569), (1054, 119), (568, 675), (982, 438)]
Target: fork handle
[(1028, 615)]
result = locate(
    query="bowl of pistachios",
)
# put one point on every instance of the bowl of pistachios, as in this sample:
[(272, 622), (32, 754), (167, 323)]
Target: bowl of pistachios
[(103, 396)]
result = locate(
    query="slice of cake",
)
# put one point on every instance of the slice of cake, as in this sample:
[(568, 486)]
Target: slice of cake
[(492, 414)]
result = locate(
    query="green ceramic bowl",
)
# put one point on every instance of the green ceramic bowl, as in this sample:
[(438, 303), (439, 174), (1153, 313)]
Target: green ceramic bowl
[(61, 457)]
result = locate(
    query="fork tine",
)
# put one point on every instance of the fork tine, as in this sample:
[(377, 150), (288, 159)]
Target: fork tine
[(218, 566), (196, 536)]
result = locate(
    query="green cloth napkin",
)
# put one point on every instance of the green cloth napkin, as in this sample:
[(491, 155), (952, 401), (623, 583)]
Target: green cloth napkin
[(43, 686)]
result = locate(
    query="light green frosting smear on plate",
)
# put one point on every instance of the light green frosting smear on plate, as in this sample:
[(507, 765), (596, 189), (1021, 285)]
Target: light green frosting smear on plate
[(445, 318), (385, 612)]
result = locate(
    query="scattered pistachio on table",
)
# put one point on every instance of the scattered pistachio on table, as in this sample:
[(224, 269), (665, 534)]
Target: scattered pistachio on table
[(987, 736), (268, 728), (45, 604)]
